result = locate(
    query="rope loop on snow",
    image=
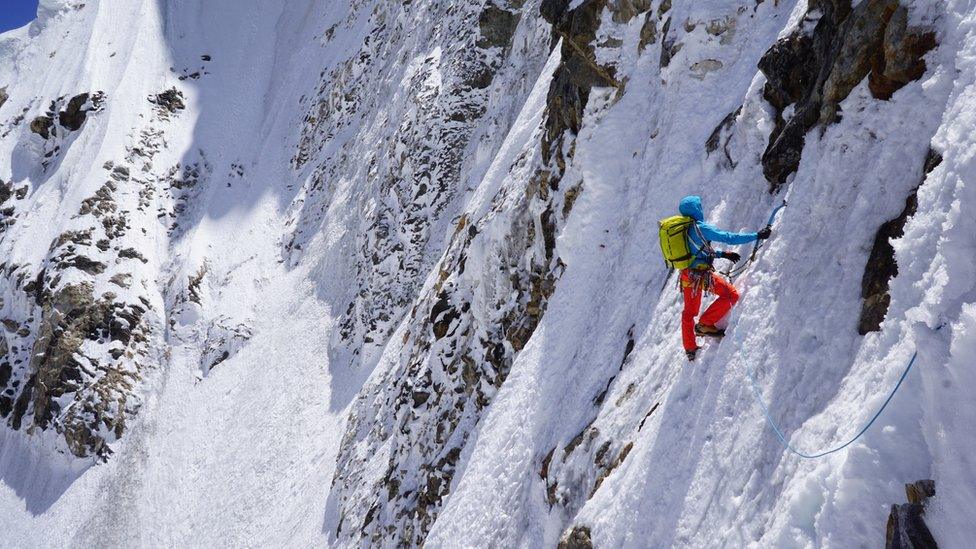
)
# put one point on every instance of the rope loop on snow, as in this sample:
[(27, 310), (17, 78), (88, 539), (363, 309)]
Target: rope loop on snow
[(782, 437)]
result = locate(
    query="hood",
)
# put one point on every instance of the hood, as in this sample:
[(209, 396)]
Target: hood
[(692, 207)]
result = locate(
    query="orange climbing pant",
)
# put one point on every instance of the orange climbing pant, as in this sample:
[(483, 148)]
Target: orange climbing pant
[(695, 282)]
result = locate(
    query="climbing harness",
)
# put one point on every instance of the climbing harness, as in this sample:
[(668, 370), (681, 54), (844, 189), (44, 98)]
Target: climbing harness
[(699, 280), (782, 437), (734, 271)]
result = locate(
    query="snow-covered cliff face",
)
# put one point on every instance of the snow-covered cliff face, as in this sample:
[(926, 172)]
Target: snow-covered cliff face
[(385, 273)]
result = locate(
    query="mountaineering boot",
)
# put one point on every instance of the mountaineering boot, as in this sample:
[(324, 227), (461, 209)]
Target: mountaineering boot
[(708, 331), (691, 354)]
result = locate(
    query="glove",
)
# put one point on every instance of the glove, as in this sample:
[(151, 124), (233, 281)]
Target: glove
[(764, 233), (732, 256)]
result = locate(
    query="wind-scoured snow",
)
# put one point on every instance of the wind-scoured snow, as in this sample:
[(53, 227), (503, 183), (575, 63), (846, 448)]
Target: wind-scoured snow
[(351, 297)]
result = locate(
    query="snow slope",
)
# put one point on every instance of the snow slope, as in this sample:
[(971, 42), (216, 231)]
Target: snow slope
[(204, 451), (380, 273)]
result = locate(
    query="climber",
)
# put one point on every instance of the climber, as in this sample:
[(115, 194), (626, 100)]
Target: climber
[(698, 275)]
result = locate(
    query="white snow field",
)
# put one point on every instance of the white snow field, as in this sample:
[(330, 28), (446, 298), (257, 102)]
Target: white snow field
[(373, 307)]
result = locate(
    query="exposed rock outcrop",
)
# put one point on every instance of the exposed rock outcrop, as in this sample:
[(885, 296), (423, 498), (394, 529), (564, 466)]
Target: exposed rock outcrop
[(71, 118), (881, 266), (168, 102), (78, 353), (578, 537), (75, 113), (453, 361), (648, 33), (901, 60), (577, 74), (223, 341), (719, 139), (72, 318), (497, 25), (421, 163), (906, 522), (812, 72), (42, 126), (9, 196)]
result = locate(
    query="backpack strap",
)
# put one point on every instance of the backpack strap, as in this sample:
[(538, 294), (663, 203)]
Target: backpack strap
[(705, 247)]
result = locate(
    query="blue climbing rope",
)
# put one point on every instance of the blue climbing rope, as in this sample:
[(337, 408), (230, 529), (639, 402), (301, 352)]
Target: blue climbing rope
[(732, 274), (782, 437), (772, 216)]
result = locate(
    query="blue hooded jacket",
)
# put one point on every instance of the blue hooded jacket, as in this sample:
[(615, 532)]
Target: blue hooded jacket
[(691, 206)]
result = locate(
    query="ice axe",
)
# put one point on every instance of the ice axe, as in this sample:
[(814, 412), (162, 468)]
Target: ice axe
[(732, 273), (769, 225)]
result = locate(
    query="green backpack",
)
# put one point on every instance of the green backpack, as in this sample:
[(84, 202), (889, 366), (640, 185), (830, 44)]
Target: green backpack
[(674, 241)]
